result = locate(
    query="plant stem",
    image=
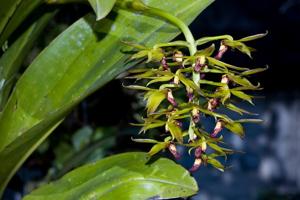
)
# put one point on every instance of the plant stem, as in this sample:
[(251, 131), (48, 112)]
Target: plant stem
[(184, 29), (138, 5), (179, 23)]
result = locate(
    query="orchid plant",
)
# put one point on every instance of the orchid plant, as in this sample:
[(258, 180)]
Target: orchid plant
[(184, 82)]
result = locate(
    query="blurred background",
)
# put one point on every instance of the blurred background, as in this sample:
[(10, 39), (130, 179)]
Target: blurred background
[(268, 168)]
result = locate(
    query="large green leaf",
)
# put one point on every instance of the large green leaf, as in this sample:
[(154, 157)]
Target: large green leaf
[(12, 59), (7, 9), (102, 7), (80, 60), (125, 176), (12, 14)]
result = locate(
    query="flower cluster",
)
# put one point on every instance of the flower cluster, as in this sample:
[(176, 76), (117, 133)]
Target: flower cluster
[(180, 90)]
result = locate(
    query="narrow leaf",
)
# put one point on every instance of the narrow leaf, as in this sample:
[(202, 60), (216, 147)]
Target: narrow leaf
[(175, 131), (154, 99), (235, 128), (238, 110), (249, 121), (240, 46), (241, 81), (160, 79), (205, 40), (242, 95), (253, 37), (215, 163), (157, 148), (13, 13), (12, 59), (151, 141), (219, 63), (211, 83), (253, 71), (137, 87)]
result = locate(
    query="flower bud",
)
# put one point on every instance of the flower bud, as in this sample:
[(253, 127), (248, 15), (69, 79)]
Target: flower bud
[(202, 76), (173, 150), (164, 63), (178, 56), (225, 79), (212, 104), (196, 165), (200, 62), (218, 128), (198, 152), (178, 123), (196, 115), (167, 128), (191, 132), (190, 93), (221, 52), (171, 98), (176, 80), (204, 146)]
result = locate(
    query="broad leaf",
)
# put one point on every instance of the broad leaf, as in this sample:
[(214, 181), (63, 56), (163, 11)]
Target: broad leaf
[(102, 7), (12, 14), (12, 59), (80, 60), (125, 176)]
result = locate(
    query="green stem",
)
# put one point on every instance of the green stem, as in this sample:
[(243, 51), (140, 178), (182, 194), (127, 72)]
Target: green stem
[(138, 5), (184, 29), (179, 23)]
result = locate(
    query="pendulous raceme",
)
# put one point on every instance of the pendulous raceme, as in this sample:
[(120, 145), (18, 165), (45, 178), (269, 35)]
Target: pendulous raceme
[(177, 90)]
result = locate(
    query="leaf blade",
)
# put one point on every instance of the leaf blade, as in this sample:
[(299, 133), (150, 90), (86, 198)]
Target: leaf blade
[(102, 7), (121, 176)]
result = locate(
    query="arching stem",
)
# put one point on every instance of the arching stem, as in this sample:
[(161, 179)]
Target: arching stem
[(180, 24), (138, 5)]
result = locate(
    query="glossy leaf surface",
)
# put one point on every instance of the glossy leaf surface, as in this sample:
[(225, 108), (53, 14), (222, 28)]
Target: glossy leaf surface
[(125, 176), (79, 61)]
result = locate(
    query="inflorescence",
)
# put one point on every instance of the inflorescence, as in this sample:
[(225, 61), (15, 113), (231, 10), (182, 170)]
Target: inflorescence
[(181, 90)]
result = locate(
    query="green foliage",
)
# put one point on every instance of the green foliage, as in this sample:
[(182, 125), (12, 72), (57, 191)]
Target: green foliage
[(125, 176), (11, 61), (102, 7), (12, 14), (90, 53), (79, 61)]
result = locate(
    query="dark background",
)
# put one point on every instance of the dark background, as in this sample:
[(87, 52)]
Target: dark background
[(269, 168)]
